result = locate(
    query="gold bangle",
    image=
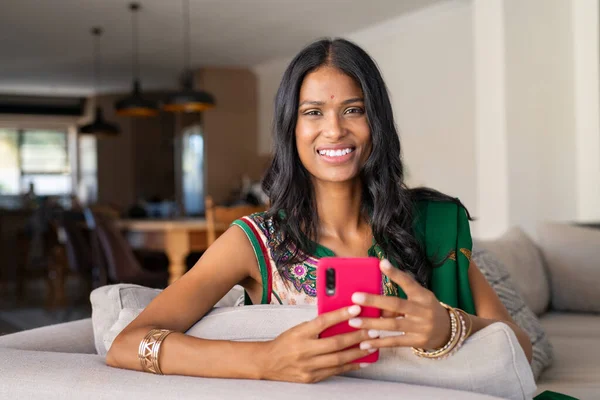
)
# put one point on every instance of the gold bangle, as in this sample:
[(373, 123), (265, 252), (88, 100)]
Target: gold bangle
[(468, 318), (457, 333), (149, 349)]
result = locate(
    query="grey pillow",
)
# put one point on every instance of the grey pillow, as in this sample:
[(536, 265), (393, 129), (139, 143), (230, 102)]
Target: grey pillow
[(487, 363), (498, 277), (108, 301), (525, 264), (571, 254)]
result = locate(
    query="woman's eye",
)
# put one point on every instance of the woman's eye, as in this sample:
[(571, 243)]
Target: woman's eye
[(312, 112), (354, 110)]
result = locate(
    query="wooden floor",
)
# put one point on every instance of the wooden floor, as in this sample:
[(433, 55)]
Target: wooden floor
[(30, 312)]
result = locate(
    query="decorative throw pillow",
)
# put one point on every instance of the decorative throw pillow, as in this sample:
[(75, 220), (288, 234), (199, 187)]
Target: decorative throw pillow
[(525, 264), (108, 301), (498, 277), (487, 363)]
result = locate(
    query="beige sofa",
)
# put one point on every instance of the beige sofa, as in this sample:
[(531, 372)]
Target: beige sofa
[(558, 275), (61, 361)]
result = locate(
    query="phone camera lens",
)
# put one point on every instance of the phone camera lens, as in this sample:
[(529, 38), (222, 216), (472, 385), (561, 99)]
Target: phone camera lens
[(330, 278)]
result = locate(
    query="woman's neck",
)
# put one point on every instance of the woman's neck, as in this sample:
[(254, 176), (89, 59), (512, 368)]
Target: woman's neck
[(339, 209)]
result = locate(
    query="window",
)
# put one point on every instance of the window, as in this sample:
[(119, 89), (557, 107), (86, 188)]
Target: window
[(87, 190), (38, 157), (193, 170)]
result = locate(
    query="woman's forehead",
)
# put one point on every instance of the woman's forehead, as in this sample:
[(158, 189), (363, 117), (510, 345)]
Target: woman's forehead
[(328, 83)]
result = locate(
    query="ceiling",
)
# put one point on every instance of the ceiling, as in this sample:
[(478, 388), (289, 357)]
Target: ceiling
[(46, 47)]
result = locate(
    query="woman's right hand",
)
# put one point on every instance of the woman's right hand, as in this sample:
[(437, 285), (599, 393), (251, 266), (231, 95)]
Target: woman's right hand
[(299, 355)]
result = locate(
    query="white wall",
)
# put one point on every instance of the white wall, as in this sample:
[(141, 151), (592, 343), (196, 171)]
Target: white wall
[(540, 117), (587, 103)]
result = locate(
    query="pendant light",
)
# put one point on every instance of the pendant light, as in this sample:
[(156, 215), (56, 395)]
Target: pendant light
[(98, 127), (188, 100), (135, 105)]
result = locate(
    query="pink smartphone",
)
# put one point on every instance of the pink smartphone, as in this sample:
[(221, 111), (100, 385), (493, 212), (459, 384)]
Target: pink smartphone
[(337, 280)]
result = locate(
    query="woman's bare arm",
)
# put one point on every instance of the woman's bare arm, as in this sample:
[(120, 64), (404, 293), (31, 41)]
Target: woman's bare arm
[(187, 300), (490, 309)]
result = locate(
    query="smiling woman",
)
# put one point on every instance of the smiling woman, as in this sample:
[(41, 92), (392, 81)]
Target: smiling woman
[(336, 188)]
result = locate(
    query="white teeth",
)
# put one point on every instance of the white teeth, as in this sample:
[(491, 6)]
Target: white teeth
[(335, 153)]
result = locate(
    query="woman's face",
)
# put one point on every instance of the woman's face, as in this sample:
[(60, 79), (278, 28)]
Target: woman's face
[(332, 133)]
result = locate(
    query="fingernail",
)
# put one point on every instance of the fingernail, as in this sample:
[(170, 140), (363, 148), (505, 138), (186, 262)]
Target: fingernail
[(385, 264), (358, 298), (354, 310), (371, 351), (365, 346), (364, 365), (373, 333), (355, 322)]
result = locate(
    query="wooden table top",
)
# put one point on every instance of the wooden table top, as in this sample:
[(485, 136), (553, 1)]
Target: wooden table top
[(147, 225)]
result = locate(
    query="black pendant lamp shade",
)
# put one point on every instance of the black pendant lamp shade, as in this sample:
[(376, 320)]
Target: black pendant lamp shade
[(135, 105), (99, 127), (187, 99)]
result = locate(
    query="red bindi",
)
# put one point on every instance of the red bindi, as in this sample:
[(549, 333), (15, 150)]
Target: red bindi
[(332, 96)]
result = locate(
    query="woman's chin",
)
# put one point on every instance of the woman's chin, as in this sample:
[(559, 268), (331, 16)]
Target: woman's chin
[(338, 177)]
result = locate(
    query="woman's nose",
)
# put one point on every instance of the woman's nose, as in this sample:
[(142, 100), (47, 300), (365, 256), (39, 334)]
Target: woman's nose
[(333, 128)]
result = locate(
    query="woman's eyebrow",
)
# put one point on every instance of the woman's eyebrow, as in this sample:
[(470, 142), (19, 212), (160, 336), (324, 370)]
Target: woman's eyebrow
[(353, 100), (322, 103), (312, 103)]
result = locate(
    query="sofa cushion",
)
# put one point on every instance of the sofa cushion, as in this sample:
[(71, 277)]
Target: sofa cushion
[(41, 375), (491, 361), (499, 279), (68, 337), (525, 264), (571, 325), (108, 301), (571, 255), (576, 367)]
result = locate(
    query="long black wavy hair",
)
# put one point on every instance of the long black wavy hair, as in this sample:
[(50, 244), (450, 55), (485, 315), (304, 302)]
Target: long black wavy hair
[(387, 203)]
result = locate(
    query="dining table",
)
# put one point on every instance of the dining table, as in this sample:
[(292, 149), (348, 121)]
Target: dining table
[(175, 237)]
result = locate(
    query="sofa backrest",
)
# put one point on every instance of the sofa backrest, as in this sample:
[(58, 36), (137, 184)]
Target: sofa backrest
[(525, 264), (572, 258)]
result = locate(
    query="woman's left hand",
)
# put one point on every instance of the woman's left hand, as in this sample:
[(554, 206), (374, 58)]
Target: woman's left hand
[(420, 321)]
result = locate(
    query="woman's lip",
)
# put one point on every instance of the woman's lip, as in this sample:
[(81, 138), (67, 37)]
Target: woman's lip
[(337, 159), (337, 147)]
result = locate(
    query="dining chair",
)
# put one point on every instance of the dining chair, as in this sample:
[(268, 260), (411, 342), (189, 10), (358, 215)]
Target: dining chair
[(218, 216), (114, 259), (76, 241), (41, 255)]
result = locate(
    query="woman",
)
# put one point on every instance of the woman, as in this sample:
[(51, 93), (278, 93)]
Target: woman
[(335, 188)]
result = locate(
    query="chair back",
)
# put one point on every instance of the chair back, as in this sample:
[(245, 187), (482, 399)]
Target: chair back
[(114, 251), (219, 217), (76, 241)]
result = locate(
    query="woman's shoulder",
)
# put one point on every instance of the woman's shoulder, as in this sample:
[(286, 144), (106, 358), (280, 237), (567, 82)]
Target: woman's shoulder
[(433, 215), (426, 200), (449, 206), (260, 223)]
